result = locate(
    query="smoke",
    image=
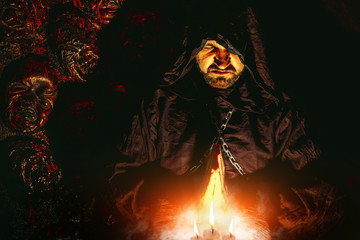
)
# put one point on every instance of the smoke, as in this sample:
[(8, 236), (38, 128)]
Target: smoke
[(182, 230)]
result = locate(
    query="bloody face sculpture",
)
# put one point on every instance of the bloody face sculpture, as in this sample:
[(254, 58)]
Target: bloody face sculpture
[(105, 10), (29, 93), (35, 165), (78, 58), (30, 101), (72, 40), (21, 18)]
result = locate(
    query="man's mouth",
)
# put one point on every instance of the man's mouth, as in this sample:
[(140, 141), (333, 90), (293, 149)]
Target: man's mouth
[(220, 72), (216, 70)]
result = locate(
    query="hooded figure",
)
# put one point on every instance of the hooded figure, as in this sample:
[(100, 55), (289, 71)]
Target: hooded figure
[(268, 157)]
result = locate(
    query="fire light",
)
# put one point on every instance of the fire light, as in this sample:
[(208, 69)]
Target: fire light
[(196, 231), (231, 227), (230, 236), (215, 217), (215, 204), (211, 216), (211, 234)]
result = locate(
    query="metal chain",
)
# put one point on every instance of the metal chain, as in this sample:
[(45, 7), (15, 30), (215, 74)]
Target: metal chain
[(222, 128), (232, 160), (224, 145), (226, 120)]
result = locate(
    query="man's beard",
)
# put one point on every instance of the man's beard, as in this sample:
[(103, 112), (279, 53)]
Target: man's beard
[(221, 82)]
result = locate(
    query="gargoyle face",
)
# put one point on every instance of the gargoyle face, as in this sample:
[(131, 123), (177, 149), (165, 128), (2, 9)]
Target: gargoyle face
[(72, 37), (30, 101), (106, 9), (78, 58), (20, 18), (14, 18)]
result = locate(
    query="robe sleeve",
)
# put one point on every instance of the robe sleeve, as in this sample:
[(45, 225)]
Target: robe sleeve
[(137, 151), (309, 204)]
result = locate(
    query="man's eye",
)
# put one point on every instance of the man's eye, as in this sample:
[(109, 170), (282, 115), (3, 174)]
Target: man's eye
[(208, 47)]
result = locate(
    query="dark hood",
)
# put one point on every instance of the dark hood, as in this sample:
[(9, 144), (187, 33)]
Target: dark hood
[(239, 35)]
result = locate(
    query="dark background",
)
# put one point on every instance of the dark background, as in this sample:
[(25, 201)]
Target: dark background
[(315, 60)]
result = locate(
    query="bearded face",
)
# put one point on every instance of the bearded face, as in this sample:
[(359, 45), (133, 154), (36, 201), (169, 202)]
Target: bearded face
[(30, 101), (220, 68)]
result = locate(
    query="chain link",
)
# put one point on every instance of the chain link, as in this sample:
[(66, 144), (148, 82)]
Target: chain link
[(226, 120), (224, 145), (232, 160)]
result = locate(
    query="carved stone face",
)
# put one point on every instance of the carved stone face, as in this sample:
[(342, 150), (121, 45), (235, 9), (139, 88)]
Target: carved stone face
[(20, 18), (78, 59), (14, 18), (105, 10), (30, 101), (72, 37)]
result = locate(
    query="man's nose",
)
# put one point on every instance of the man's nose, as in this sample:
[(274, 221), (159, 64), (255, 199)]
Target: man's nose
[(222, 58)]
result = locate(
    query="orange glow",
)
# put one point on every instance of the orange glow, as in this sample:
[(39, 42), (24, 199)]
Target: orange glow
[(227, 221), (213, 207)]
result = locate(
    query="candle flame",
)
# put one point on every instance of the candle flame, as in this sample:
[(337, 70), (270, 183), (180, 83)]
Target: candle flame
[(231, 227), (196, 231), (214, 200), (211, 215)]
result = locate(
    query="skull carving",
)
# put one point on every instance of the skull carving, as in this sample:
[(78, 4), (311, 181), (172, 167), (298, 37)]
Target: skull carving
[(30, 95), (72, 38), (30, 102), (105, 10)]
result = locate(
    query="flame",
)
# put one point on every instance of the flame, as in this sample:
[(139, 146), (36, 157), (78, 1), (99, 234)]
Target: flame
[(216, 192), (196, 231), (214, 199), (231, 227), (230, 220), (211, 215)]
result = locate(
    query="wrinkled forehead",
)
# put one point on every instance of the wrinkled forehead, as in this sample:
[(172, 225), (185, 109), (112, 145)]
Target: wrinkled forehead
[(223, 42)]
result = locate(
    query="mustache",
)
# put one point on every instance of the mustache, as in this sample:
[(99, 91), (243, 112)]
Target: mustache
[(213, 67)]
